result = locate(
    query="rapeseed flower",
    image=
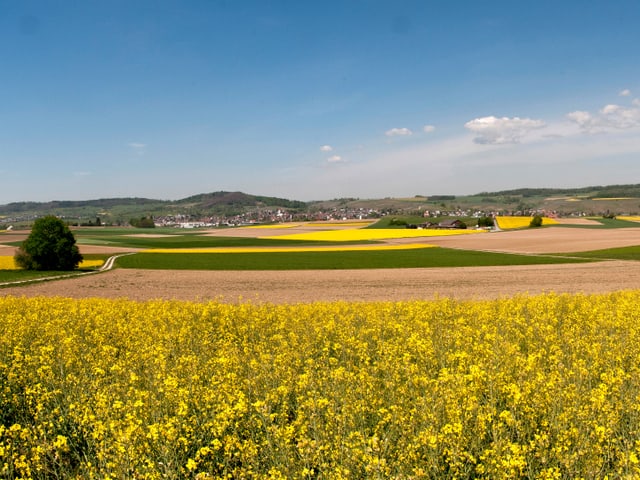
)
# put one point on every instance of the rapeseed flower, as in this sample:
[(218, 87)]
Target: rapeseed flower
[(544, 386), (510, 222), (364, 234)]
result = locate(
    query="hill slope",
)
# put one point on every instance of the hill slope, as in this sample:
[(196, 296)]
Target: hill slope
[(593, 200)]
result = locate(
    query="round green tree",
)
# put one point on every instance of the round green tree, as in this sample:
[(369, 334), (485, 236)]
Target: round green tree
[(536, 221), (49, 246)]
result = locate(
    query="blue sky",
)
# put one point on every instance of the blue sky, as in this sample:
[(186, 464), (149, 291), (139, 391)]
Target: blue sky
[(315, 100)]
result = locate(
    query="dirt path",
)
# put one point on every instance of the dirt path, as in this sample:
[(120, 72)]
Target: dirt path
[(349, 285)]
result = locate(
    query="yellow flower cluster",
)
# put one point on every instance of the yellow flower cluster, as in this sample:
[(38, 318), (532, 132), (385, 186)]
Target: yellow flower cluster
[(330, 248), (530, 387), (372, 234), (8, 263), (510, 222)]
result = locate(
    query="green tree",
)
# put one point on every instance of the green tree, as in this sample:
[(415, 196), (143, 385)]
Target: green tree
[(49, 246), (144, 222), (536, 221), (485, 222)]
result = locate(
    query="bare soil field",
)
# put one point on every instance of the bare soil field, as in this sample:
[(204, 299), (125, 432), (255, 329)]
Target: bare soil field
[(544, 240), (347, 285), (576, 221)]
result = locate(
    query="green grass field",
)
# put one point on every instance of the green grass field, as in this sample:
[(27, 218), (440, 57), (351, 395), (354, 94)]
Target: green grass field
[(622, 253), (419, 258)]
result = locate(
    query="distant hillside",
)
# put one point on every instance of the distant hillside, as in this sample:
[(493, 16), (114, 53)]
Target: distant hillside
[(609, 191), (238, 199), (593, 200), (120, 210), (20, 207)]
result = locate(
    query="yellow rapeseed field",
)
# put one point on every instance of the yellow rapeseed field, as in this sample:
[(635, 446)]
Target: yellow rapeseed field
[(629, 218), (543, 387), (612, 198), (510, 222), (7, 263), (372, 234)]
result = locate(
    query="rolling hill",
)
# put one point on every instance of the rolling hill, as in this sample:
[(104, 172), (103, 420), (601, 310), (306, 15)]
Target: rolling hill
[(592, 200)]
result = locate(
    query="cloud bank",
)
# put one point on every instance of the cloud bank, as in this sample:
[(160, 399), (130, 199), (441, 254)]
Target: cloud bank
[(496, 131), (398, 132), (610, 117)]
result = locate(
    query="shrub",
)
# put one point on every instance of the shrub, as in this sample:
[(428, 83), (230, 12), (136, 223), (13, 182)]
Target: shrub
[(536, 221), (485, 222), (144, 222), (49, 246), (397, 222)]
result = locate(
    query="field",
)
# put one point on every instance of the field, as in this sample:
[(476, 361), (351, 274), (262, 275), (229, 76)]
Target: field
[(472, 364), (267, 269), (528, 387)]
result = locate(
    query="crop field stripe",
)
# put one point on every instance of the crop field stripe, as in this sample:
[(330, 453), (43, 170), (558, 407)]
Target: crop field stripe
[(514, 222), (190, 241), (269, 226), (413, 258), (373, 234), (332, 248), (8, 263), (622, 253)]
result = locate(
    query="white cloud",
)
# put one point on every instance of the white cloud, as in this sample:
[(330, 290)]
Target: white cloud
[(497, 131), (326, 148), (583, 119), (137, 145), (621, 117), (610, 117), (82, 174), (398, 132), (428, 128), (334, 159), (457, 165), (636, 102), (625, 93)]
